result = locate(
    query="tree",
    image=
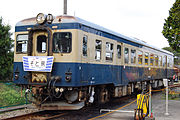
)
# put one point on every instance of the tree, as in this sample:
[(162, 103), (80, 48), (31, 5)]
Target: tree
[(6, 55), (171, 29)]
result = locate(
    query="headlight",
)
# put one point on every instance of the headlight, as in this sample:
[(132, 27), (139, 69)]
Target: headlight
[(41, 18), (68, 76), (16, 76), (50, 18)]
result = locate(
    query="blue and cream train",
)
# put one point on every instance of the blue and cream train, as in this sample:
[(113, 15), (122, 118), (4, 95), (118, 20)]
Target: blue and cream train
[(65, 62)]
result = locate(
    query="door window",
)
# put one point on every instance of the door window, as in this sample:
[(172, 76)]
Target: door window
[(41, 43)]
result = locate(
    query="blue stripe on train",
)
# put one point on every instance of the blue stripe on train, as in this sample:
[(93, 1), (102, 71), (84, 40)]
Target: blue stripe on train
[(84, 28), (93, 74)]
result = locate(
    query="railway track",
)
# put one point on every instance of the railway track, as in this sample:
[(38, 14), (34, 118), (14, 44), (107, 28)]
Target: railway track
[(85, 113), (40, 115)]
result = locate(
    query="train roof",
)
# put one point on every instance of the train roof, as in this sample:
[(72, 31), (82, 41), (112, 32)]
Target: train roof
[(73, 19)]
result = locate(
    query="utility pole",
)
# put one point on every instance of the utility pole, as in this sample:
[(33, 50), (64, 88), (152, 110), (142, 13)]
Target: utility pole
[(150, 101), (65, 7), (166, 85)]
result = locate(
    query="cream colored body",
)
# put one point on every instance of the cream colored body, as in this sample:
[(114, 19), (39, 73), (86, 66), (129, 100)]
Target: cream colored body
[(76, 55)]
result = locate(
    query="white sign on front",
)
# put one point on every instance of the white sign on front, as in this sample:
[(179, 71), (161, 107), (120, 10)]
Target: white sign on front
[(38, 63)]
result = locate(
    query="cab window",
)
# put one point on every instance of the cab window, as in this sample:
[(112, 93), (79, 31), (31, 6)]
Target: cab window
[(21, 43), (62, 42)]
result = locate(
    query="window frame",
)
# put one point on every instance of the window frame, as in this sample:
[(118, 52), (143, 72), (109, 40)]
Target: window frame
[(146, 54), (134, 57), (156, 59), (160, 61), (152, 59), (168, 61), (109, 49), (85, 55), (17, 52), (41, 44), (127, 55), (164, 61), (140, 58), (119, 57), (95, 57)]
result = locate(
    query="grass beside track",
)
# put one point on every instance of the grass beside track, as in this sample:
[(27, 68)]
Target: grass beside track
[(10, 95)]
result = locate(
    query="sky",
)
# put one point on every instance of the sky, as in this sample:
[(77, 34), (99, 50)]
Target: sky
[(142, 19)]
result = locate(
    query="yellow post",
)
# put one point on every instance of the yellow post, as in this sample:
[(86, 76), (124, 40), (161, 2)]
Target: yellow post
[(142, 103)]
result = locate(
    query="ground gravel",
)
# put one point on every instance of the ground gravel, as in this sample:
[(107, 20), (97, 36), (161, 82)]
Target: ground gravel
[(14, 113)]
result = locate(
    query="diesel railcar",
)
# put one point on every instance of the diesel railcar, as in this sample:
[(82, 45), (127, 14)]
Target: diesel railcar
[(65, 62)]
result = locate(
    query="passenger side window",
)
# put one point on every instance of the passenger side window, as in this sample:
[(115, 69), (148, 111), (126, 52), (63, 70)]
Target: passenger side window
[(171, 62), (152, 59), (160, 60), (85, 39), (98, 48), (126, 55), (168, 61), (133, 56), (164, 61), (156, 60), (146, 59), (140, 57), (119, 51), (109, 51)]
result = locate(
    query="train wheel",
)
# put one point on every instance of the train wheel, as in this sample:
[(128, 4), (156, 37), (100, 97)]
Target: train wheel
[(102, 95)]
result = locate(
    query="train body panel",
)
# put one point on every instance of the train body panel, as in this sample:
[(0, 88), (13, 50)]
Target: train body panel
[(85, 74)]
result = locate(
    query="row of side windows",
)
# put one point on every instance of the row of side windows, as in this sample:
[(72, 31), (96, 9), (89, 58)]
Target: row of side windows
[(98, 49), (149, 58), (155, 60)]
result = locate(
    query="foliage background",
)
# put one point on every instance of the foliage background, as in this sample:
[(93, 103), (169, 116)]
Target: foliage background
[(6, 54), (10, 95), (171, 28)]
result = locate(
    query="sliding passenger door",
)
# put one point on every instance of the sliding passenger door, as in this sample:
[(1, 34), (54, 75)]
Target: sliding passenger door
[(85, 56), (119, 58)]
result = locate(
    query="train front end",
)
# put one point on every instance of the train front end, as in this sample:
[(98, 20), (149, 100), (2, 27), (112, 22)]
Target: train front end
[(45, 62)]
